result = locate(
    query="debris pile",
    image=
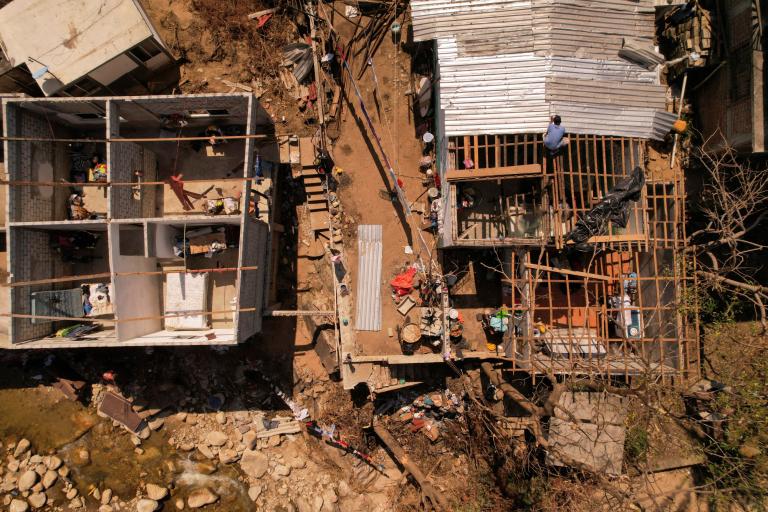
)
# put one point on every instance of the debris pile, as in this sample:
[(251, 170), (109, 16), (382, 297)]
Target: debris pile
[(427, 412)]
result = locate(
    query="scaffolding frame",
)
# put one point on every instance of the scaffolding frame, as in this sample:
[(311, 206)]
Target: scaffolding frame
[(578, 304)]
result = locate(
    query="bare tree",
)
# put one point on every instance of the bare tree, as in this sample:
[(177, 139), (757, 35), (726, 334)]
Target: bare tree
[(733, 204)]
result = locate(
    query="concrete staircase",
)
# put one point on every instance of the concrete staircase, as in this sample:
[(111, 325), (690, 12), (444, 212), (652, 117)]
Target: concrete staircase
[(390, 377), (314, 186)]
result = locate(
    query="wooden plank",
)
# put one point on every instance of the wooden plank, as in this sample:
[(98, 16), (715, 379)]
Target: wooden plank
[(497, 172), (577, 273)]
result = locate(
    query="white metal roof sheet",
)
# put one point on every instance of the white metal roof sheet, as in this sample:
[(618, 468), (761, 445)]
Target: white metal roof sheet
[(506, 66), (368, 306), (69, 37)]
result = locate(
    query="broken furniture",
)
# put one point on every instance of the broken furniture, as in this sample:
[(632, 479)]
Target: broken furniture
[(431, 324), (86, 301), (406, 305), (203, 241)]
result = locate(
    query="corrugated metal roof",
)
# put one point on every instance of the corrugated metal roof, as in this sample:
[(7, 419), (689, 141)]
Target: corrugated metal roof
[(506, 66), (368, 308)]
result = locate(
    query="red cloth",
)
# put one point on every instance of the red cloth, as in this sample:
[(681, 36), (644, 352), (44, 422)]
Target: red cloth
[(263, 20), (402, 284)]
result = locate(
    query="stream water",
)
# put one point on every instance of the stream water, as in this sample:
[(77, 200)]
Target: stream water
[(98, 456)]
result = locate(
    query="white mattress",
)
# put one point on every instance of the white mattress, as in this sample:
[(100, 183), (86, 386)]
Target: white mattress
[(188, 294)]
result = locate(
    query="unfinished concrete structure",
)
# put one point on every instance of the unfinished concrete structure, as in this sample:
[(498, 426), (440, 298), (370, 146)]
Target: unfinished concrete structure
[(78, 48), (144, 265), (617, 305)]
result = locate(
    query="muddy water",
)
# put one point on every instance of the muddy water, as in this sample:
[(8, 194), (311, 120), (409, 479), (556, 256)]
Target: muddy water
[(43, 416), (101, 456)]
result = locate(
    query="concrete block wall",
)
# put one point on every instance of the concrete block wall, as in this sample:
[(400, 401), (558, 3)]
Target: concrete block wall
[(124, 159), (32, 258), (235, 104), (25, 162), (252, 287)]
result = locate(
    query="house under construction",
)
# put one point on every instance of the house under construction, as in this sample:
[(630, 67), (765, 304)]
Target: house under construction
[(130, 223), (579, 249)]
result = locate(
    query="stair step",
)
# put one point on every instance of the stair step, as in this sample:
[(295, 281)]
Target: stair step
[(319, 221), (312, 180), (317, 198), (318, 207), (314, 189), (307, 150)]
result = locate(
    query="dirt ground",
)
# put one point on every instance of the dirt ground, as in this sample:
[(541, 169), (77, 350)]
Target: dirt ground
[(214, 41), (366, 196)]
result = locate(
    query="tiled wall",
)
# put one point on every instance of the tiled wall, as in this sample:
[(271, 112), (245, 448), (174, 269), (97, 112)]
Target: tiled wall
[(253, 283), (31, 203), (125, 158), (32, 258)]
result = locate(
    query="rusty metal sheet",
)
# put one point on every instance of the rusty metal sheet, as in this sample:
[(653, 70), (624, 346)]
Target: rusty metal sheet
[(119, 409)]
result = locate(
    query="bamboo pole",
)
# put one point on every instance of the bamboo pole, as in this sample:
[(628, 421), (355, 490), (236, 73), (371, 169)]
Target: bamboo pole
[(569, 272), (150, 139), (26, 183), (86, 277), (126, 320)]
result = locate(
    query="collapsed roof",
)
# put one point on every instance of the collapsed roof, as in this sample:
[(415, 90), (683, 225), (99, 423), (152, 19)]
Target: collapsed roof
[(61, 41), (506, 66)]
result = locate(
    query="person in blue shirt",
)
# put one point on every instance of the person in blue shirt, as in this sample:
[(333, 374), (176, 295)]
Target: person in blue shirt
[(555, 138)]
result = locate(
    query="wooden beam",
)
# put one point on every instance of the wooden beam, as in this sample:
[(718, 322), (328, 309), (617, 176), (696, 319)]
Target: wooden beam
[(577, 273), (496, 172), (286, 312), (88, 277)]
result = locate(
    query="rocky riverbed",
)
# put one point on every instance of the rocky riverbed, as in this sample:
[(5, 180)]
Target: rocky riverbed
[(197, 449)]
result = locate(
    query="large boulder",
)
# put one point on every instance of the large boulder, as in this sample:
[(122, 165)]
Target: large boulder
[(156, 492), (254, 463), (21, 447), (147, 505), (27, 480), (201, 497), (216, 438), (18, 506)]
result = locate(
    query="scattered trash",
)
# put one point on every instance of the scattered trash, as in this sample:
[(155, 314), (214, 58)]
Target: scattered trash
[(402, 284), (330, 437), (71, 389), (351, 11), (613, 208), (299, 55)]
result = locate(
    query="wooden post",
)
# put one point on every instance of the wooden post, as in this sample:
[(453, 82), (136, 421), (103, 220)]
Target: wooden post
[(435, 499)]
